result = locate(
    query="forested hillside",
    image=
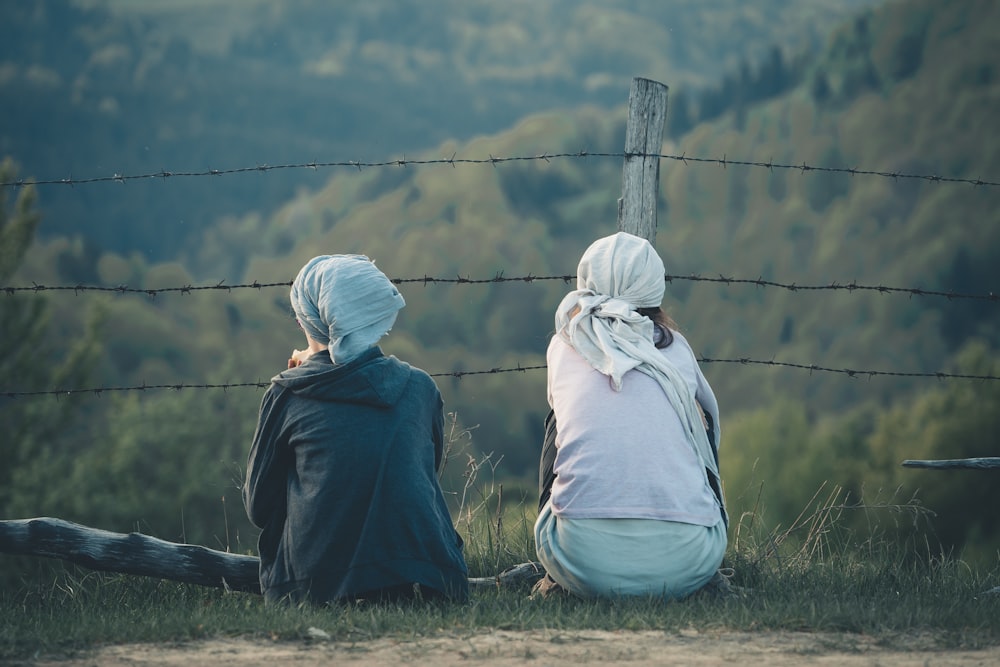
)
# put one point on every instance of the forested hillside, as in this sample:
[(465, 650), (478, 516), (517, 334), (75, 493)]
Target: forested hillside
[(911, 87), (99, 88)]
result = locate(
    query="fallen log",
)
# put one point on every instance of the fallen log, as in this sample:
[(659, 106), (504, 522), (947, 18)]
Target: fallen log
[(132, 553), (138, 554), (988, 463)]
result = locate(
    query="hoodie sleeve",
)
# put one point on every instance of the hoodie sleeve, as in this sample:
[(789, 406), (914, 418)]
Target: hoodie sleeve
[(267, 466)]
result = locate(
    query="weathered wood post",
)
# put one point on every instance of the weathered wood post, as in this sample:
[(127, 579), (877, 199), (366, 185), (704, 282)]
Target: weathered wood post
[(987, 463), (647, 115), (133, 553)]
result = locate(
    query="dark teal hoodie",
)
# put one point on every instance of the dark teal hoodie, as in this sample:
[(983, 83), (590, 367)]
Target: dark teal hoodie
[(342, 481)]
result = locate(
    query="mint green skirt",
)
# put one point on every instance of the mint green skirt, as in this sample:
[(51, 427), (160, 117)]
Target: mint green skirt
[(628, 557)]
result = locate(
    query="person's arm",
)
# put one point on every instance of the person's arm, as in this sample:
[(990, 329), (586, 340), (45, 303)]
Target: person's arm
[(267, 464), (706, 399), (437, 425)]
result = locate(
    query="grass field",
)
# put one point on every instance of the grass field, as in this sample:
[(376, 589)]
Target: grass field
[(813, 577)]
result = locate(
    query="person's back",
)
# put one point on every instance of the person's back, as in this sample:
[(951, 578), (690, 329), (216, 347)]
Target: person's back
[(629, 496), (624, 453), (342, 474)]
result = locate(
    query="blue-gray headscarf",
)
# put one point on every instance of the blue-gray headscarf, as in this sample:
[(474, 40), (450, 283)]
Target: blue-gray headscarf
[(345, 302)]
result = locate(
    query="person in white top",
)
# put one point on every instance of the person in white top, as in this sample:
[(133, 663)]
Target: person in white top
[(630, 499)]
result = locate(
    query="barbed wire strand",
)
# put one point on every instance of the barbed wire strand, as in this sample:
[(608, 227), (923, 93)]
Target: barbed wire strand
[(852, 286), (854, 373), (453, 161)]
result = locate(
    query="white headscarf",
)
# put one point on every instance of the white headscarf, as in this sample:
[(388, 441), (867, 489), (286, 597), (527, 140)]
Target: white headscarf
[(616, 275), (346, 302)]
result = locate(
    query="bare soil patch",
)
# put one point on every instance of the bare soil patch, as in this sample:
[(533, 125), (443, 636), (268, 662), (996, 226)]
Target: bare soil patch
[(550, 647)]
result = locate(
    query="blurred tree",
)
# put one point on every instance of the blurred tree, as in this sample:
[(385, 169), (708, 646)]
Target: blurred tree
[(823, 191), (769, 462), (170, 465), (820, 86), (679, 114), (956, 420), (776, 458), (40, 433), (773, 76)]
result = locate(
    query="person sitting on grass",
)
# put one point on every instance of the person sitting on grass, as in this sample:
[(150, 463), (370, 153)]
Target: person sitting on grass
[(630, 501), (342, 472)]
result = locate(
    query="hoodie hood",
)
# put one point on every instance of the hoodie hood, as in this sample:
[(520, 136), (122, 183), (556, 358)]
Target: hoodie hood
[(369, 379)]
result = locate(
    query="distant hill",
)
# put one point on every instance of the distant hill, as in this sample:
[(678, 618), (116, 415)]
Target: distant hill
[(536, 217), (98, 88), (912, 88), (928, 80)]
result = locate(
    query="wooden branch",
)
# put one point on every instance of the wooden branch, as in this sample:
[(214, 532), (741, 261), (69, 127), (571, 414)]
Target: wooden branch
[(133, 553), (988, 463), (647, 114), (143, 555), (524, 574)]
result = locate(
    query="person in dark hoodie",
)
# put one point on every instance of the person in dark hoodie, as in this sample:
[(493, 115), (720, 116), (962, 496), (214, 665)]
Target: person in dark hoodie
[(342, 472)]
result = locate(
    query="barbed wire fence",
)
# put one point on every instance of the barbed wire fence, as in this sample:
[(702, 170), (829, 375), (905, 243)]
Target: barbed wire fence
[(499, 278), (852, 286), (454, 161), (259, 384)]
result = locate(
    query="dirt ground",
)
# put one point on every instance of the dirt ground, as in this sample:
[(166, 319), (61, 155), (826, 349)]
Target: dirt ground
[(539, 648)]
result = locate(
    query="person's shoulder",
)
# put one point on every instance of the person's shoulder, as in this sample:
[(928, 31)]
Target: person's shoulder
[(680, 343), (678, 336), (417, 376), (271, 395), (274, 390), (558, 345)]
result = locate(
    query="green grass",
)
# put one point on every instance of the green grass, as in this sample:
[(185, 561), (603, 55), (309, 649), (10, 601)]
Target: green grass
[(810, 577), (884, 600), (815, 575)]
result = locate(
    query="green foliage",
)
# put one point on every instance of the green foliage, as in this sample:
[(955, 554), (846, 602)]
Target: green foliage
[(17, 226), (34, 430), (951, 422), (820, 229), (177, 462), (769, 449), (783, 455), (96, 87), (21, 321), (811, 228)]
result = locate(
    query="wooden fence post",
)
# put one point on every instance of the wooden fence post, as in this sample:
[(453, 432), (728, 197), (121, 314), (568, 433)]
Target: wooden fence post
[(987, 463), (647, 115)]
